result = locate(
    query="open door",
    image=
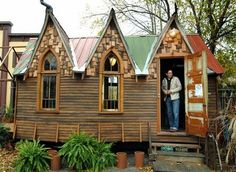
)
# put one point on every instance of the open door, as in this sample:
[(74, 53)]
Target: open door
[(196, 94)]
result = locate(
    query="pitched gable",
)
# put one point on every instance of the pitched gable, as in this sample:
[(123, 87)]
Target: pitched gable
[(111, 38), (169, 45), (52, 38)]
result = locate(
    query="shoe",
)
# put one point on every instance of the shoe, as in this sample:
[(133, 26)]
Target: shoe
[(172, 129)]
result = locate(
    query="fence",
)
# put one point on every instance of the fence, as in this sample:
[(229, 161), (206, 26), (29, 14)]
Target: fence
[(227, 98)]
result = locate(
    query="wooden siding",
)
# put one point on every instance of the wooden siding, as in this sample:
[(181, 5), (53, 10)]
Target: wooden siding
[(212, 102), (79, 106)]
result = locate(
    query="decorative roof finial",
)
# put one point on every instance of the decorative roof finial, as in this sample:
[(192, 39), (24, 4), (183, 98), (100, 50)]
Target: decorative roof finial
[(176, 9), (48, 7)]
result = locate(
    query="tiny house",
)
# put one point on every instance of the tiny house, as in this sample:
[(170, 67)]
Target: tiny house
[(110, 86)]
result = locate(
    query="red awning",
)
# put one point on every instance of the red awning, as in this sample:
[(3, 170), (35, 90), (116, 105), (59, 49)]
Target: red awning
[(198, 45)]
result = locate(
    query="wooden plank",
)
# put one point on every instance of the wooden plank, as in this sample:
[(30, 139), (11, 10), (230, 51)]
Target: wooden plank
[(57, 132), (123, 133), (99, 132), (35, 131), (191, 146), (140, 132), (78, 129), (14, 131)]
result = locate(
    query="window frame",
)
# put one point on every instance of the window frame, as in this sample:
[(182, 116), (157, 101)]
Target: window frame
[(103, 74), (41, 74)]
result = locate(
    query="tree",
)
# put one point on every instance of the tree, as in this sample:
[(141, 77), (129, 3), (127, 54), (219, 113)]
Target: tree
[(214, 20), (147, 16)]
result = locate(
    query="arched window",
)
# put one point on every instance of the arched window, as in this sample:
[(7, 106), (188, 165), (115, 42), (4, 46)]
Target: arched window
[(111, 77), (48, 78)]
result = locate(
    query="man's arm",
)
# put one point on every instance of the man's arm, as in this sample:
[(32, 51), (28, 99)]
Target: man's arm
[(178, 86), (164, 86)]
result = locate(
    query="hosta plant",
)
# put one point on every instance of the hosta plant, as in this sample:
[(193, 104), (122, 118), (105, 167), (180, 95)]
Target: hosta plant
[(32, 157), (84, 152)]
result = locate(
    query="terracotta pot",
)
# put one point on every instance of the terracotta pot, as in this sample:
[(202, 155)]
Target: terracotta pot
[(139, 159), (121, 160), (55, 160), (52, 152), (56, 163)]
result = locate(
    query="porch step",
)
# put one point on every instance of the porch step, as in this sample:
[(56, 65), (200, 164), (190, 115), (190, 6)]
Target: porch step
[(175, 147), (175, 138), (179, 157)]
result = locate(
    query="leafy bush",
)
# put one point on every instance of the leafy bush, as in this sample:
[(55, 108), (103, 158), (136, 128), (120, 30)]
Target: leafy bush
[(85, 153), (6, 114), (32, 157), (4, 135)]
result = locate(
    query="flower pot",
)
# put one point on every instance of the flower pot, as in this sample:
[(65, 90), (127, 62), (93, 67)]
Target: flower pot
[(52, 152), (139, 159), (121, 160), (56, 163), (55, 160)]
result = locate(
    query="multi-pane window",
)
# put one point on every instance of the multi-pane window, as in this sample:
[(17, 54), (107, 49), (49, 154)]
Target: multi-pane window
[(48, 88), (111, 84)]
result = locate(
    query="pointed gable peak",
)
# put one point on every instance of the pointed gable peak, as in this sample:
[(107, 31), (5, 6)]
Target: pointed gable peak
[(111, 22), (49, 21), (172, 24)]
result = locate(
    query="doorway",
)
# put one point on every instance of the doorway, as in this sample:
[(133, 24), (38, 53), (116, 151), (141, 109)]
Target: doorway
[(177, 66)]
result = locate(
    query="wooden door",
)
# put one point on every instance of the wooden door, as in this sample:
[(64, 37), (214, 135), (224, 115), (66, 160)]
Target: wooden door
[(196, 94)]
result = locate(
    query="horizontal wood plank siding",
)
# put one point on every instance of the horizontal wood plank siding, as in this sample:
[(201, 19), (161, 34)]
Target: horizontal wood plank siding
[(212, 102), (79, 106)]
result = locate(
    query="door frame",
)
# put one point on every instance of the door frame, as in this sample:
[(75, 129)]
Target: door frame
[(159, 58)]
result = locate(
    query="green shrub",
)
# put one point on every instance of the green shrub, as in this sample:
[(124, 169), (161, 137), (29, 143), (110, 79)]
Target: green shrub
[(4, 135), (85, 153), (32, 157), (9, 115)]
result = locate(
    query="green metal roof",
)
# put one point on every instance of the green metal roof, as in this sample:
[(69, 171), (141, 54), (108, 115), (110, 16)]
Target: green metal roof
[(140, 48), (22, 65)]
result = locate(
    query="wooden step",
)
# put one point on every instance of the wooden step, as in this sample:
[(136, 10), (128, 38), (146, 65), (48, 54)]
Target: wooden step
[(175, 138), (155, 146), (177, 156)]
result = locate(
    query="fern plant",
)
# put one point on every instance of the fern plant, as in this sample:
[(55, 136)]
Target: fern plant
[(32, 157), (85, 153), (4, 135)]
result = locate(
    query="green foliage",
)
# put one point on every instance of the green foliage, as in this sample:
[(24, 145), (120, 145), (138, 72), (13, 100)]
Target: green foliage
[(32, 157), (7, 114), (227, 60), (85, 153), (4, 135)]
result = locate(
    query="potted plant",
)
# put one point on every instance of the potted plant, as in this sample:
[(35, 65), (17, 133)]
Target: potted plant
[(32, 157), (84, 152)]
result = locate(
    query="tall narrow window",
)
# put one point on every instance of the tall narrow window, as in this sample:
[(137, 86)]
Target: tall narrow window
[(111, 85), (49, 85)]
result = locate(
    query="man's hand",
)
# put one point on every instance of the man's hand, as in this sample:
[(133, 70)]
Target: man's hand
[(168, 92), (165, 92)]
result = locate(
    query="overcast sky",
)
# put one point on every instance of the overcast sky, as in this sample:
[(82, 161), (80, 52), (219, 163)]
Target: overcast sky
[(28, 15)]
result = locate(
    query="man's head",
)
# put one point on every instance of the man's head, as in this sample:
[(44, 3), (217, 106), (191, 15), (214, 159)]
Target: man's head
[(169, 73)]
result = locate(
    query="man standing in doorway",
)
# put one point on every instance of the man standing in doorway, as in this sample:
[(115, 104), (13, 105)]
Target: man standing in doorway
[(171, 87)]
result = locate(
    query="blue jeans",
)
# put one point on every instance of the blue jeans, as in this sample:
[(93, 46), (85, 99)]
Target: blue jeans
[(173, 112)]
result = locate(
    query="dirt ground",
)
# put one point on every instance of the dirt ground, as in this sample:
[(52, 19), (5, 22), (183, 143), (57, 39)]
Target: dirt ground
[(7, 159)]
